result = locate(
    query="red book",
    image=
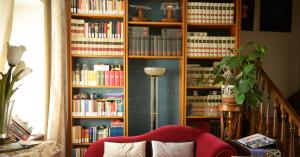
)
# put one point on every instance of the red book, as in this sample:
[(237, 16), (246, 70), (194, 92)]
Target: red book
[(113, 109), (112, 78), (121, 78), (117, 78), (106, 76)]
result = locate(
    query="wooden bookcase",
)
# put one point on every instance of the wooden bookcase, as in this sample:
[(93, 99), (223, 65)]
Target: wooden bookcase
[(200, 117), (136, 88)]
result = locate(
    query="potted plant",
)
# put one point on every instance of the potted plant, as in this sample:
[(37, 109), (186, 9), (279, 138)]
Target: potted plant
[(17, 70), (244, 85)]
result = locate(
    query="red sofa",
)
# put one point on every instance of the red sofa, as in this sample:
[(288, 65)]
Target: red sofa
[(206, 144)]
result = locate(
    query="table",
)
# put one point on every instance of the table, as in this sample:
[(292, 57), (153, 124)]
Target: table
[(43, 149), (229, 130)]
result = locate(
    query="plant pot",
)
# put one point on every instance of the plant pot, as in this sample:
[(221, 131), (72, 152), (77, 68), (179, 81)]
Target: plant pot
[(5, 114), (227, 92)]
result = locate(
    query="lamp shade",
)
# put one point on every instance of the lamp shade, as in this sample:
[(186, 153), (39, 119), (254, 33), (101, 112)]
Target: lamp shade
[(154, 71)]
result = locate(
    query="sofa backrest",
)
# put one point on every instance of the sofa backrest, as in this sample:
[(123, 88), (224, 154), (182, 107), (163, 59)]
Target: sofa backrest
[(170, 133)]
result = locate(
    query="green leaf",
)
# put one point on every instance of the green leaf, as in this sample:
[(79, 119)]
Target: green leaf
[(256, 54), (244, 86), (254, 98), (233, 63), (263, 49), (248, 68), (240, 98)]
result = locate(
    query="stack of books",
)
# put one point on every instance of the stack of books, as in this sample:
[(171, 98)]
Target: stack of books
[(202, 44), (97, 37), (19, 129), (215, 13), (113, 7), (141, 43)]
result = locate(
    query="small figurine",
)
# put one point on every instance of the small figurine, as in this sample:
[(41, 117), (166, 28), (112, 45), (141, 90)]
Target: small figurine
[(170, 8), (140, 13)]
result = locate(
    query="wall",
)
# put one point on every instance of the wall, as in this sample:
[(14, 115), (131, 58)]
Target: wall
[(282, 61)]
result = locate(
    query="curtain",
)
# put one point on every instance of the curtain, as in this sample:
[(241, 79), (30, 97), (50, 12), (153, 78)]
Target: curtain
[(58, 100), (6, 14)]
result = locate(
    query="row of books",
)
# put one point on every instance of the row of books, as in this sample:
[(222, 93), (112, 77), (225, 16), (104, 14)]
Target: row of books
[(81, 134), (205, 12), (141, 43), (114, 7), (155, 45), (97, 38), (100, 75), (107, 106), (204, 105), (78, 152), (199, 44), (97, 29), (19, 129), (98, 78), (200, 76)]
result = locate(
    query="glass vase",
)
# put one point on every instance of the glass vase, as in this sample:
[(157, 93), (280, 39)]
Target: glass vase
[(5, 115)]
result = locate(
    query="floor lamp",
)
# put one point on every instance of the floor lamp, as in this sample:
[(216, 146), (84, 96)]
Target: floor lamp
[(154, 73)]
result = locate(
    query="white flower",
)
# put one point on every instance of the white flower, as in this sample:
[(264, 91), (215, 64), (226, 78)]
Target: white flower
[(14, 54), (19, 68), (25, 72)]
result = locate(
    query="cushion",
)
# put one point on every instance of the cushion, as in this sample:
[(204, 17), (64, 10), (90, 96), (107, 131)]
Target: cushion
[(135, 149), (171, 149)]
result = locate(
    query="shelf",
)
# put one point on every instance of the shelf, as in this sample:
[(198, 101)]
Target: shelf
[(82, 144), (159, 24), (211, 25), (203, 117), (97, 117), (206, 57), (155, 57), (96, 56), (204, 87), (98, 16), (75, 86)]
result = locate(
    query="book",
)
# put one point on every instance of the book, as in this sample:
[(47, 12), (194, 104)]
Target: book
[(257, 141)]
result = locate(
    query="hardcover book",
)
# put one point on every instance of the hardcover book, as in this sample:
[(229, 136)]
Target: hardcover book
[(257, 141)]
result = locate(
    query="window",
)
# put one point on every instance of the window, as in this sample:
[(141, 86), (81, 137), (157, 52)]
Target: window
[(28, 30)]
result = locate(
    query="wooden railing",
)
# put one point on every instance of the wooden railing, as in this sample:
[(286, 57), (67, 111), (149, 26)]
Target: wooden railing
[(275, 114)]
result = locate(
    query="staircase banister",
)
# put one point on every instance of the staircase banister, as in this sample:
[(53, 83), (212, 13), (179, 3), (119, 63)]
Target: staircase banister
[(292, 114)]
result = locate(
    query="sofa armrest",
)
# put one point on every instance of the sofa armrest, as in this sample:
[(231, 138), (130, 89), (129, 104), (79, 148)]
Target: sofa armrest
[(207, 145)]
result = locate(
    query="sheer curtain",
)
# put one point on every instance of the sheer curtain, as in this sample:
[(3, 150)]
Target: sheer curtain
[(6, 14), (58, 100)]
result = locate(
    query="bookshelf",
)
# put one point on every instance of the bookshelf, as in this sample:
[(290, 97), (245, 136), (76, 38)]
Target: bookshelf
[(207, 42), (97, 72), (182, 52)]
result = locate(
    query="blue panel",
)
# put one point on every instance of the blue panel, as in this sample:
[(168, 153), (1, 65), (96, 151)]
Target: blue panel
[(139, 95), (156, 13)]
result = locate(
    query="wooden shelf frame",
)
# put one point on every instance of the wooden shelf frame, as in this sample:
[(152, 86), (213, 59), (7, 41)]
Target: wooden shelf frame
[(97, 16), (113, 87), (155, 57), (96, 56), (98, 117), (234, 30), (156, 24)]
